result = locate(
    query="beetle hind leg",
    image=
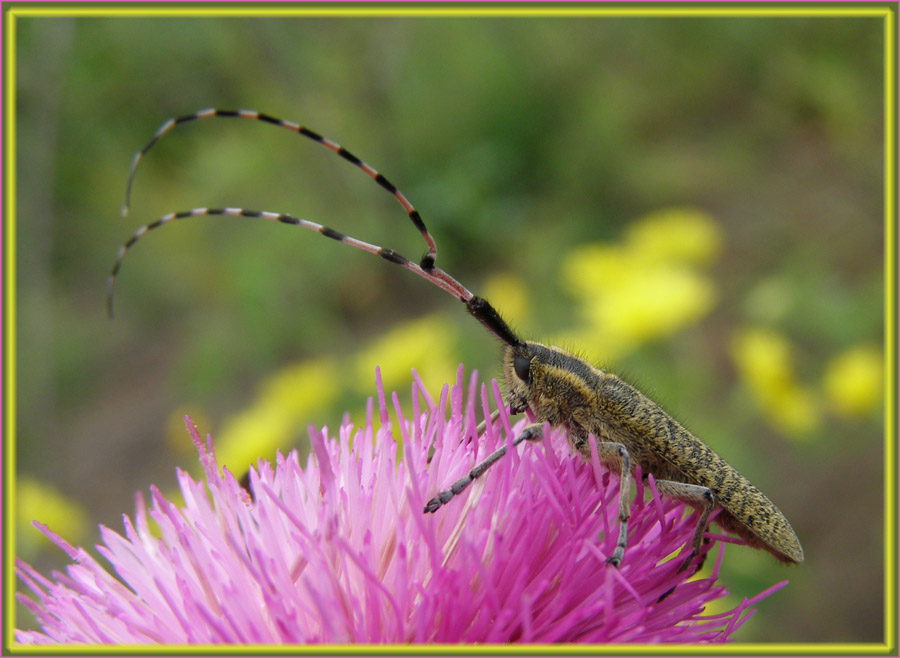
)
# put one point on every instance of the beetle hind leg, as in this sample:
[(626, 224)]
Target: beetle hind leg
[(698, 497)]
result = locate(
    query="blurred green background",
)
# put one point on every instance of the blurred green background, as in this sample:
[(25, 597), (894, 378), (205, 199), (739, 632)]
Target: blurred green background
[(696, 203)]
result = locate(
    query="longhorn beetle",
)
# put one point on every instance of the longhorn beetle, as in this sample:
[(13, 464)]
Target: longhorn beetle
[(552, 384)]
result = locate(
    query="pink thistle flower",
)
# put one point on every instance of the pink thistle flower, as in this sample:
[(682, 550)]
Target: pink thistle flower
[(339, 551)]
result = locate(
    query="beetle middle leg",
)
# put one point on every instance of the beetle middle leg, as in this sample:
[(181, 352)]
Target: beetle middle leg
[(616, 455)]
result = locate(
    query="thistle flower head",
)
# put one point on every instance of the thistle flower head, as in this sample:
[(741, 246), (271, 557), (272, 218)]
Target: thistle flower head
[(337, 550)]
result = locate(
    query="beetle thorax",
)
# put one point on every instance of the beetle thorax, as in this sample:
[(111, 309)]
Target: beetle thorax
[(557, 386)]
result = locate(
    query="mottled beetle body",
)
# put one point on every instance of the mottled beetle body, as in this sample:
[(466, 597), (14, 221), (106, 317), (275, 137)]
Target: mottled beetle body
[(565, 390), (555, 386)]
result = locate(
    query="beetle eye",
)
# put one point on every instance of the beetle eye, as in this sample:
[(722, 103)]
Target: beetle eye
[(522, 366)]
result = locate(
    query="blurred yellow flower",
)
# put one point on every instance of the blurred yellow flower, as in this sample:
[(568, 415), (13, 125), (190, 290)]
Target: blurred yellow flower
[(425, 344), (510, 295), (286, 399), (763, 361), (650, 285), (854, 380), (595, 270), (796, 413), (40, 501), (683, 235), (651, 303)]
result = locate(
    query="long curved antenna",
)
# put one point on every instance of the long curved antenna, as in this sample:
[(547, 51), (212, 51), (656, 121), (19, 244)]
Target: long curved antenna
[(334, 147), (478, 307)]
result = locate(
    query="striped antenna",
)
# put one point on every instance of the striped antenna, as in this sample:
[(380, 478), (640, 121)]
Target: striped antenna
[(334, 147), (478, 307)]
